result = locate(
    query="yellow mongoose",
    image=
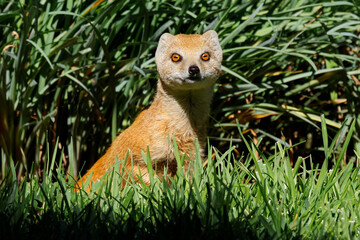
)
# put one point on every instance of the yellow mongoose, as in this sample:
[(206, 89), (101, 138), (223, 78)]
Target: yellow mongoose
[(188, 66)]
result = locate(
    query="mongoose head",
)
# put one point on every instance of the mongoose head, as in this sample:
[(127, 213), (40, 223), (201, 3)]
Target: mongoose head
[(186, 62)]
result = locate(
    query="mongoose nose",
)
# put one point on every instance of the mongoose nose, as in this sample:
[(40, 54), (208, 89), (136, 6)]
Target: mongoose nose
[(194, 70)]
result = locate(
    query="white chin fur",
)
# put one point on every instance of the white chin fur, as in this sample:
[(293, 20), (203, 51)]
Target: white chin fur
[(188, 84)]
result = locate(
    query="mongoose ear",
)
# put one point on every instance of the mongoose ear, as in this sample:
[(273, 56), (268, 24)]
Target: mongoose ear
[(164, 42), (212, 39), (211, 34), (165, 39)]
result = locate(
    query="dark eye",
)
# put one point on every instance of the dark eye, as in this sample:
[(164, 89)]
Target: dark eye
[(175, 57), (205, 56)]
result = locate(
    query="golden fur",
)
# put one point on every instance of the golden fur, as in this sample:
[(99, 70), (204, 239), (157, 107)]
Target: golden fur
[(181, 107)]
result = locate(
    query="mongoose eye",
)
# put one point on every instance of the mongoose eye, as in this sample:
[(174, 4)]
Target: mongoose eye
[(175, 57), (205, 56)]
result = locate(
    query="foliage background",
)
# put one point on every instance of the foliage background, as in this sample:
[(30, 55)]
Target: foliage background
[(74, 74), (80, 71)]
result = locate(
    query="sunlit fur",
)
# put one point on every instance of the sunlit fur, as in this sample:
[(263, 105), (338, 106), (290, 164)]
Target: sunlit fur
[(181, 107)]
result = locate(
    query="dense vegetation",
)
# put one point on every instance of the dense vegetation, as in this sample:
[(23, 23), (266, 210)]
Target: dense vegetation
[(284, 139)]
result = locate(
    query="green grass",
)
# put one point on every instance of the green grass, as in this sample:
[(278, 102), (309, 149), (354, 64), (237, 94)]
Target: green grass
[(255, 198), (79, 73), (74, 74)]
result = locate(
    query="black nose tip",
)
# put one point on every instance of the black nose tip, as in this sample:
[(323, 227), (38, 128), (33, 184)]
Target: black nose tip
[(193, 70)]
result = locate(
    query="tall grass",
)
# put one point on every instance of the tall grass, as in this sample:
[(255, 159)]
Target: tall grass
[(284, 133), (80, 71), (256, 198), (291, 62)]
